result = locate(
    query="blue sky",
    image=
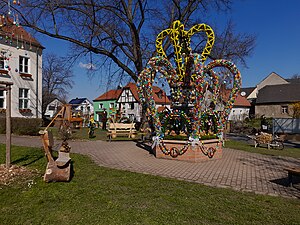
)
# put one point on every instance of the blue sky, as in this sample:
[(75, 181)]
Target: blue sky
[(274, 22)]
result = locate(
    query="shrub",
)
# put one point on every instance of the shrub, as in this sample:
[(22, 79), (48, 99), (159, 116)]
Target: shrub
[(22, 126)]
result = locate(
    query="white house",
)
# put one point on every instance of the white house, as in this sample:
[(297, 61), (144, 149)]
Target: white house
[(130, 102), (53, 107), (241, 107), (21, 63), (83, 106)]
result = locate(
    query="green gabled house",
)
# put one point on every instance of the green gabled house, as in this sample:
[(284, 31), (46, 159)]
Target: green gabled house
[(108, 102)]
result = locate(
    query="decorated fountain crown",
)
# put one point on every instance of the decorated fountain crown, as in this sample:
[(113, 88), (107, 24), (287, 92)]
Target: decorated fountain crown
[(184, 59), (190, 82), (181, 40)]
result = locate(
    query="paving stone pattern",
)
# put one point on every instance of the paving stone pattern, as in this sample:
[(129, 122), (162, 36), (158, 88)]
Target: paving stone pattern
[(238, 170)]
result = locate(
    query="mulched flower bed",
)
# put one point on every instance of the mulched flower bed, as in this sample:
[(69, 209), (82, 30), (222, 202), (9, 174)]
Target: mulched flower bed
[(16, 174)]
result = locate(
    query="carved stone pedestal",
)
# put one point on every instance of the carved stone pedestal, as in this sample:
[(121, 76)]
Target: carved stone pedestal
[(209, 150)]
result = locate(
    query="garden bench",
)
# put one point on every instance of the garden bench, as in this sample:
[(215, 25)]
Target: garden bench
[(121, 129), (292, 171)]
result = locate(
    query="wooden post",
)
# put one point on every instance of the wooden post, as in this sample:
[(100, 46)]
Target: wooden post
[(8, 125), (7, 88)]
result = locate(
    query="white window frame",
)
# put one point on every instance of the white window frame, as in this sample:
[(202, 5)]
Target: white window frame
[(100, 105), (111, 105), (23, 98), (23, 64), (2, 97)]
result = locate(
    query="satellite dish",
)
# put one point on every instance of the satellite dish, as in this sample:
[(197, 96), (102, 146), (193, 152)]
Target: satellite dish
[(243, 93)]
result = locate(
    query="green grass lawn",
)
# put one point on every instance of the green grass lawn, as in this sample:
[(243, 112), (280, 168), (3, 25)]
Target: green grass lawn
[(289, 152), (98, 195)]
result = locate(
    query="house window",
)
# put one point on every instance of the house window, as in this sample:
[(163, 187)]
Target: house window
[(111, 105), (131, 117), (51, 107), (100, 106), (23, 98), (2, 63), (2, 99), (23, 64), (284, 109), (130, 105)]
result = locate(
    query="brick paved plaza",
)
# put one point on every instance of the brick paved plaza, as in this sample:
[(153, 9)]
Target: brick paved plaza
[(238, 170)]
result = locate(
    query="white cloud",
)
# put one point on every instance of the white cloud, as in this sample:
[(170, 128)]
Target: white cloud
[(88, 66)]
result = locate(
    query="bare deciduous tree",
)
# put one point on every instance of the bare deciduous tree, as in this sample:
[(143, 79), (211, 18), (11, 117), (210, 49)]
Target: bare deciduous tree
[(295, 78), (57, 79), (124, 31), (233, 46)]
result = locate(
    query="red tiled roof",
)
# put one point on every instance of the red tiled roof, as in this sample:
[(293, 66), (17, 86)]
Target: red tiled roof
[(163, 100), (240, 100), (110, 95), (17, 33)]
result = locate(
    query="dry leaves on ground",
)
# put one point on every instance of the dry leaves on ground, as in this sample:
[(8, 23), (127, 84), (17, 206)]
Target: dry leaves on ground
[(15, 174)]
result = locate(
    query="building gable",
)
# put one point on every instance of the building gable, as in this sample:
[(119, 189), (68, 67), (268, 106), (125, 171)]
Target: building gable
[(272, 79), (126, 96), (53, 107)]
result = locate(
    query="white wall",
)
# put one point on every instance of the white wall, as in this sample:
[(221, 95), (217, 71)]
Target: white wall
[(83, 107), (127, 111), (238, 113), (56, 104), (34, 84)]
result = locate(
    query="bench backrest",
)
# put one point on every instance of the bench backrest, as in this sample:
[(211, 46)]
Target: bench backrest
[(121, 126)]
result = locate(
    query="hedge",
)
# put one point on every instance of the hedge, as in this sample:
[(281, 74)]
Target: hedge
[(22, 126)]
